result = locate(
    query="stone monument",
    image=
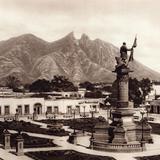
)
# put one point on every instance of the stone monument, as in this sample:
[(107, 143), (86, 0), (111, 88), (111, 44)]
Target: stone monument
[(7, 139), (19, 145), (121, 135)]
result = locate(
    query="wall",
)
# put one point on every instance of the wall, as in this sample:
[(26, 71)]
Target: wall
[(62, 104)]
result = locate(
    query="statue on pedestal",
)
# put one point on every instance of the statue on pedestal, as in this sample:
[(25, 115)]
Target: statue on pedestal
[(123, 51), (122, 60), (122, 134)]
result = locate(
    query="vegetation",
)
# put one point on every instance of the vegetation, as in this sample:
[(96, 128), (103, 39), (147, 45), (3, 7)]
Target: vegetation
[(41, 85), (29, 141), (33, 128), (155, 157), (135, 92), (65, 155), (86, 124), (58, 83), (87, 85), (92, 91), (139, 90), (95, 94), (13, 83), (146, 86), (61, 83)]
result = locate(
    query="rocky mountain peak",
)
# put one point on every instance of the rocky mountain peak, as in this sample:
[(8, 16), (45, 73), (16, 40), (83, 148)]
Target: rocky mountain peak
[(78, 59), (70, 36), (84, 37)]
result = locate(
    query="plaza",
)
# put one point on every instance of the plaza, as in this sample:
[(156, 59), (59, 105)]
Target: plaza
[(82, 145)]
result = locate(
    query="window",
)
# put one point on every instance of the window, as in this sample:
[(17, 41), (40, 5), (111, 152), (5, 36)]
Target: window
[(26, 109), (95, 108), (20, 109), (6, 110), (49, 109), (77, 109), (69, 109), (56, 110)]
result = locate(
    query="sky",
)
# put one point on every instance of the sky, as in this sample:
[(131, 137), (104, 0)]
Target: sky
[(114, 21)]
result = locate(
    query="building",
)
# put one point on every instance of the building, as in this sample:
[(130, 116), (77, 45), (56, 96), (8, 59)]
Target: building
[(5, 91), (155, 106), (154, 99), (63, 106), (155, 92)]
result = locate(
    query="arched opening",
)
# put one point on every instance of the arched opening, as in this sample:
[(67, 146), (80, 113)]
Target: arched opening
[(38, 108)]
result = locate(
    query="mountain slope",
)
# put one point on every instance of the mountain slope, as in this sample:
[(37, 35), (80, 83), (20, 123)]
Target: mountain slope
[(30, 58)]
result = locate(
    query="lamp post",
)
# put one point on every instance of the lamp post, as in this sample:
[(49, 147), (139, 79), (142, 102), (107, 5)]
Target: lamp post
[(107, 107), (73, 137), (92, 137), (147, 109), (84, 107), (74, 113), (142, 138)]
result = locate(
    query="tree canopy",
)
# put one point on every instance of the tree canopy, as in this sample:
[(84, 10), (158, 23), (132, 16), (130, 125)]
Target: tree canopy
[(12, 82), (87, 85), (61, 83), (58, 83), (146, 87), (135, 93), (41, 85)]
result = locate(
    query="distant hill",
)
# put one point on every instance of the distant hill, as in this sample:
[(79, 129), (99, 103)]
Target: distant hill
[(29, 58)]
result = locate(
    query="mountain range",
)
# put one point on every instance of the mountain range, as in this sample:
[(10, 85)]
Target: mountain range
[(30, 58)]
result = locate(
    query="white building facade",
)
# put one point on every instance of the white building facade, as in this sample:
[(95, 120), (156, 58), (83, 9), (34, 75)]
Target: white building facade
[(27, 106)]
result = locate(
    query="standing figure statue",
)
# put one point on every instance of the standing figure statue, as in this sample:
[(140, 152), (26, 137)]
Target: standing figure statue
[(123, 52), (123, 59)]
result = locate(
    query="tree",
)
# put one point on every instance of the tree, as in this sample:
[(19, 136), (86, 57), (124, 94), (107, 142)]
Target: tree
[(61, 83), (88, 85), (41, 85), (94, 94), (146, 87), (12, 82), (135, 93)]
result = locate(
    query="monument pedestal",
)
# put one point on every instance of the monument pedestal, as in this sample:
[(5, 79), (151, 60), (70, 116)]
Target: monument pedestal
[(7, 139), (19, 145), (123, 127), (123, 134)]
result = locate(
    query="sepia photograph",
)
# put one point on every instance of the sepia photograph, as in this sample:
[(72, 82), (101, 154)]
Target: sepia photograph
[(79, 80)]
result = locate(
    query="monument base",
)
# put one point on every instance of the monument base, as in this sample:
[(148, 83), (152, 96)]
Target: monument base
[(122, 135), (7, 147), (114, 147)]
